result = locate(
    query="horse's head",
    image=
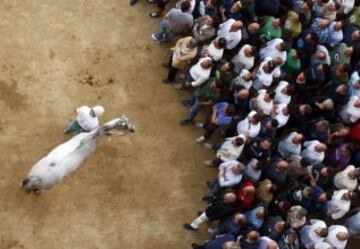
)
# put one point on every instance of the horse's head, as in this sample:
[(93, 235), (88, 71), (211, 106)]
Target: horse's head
[(124, 124), (30, 184), (121, 124)]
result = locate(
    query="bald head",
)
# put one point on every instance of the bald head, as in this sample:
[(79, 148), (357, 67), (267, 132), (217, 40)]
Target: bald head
[(272, 245), (342, 236), (229, 198)]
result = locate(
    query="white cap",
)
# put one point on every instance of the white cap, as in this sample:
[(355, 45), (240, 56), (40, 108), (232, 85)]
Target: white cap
[(99, 110)]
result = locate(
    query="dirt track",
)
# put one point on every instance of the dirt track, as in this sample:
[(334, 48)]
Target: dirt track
[(135, 191)]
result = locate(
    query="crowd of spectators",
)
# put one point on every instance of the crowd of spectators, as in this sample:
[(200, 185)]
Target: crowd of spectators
[(279, 81)]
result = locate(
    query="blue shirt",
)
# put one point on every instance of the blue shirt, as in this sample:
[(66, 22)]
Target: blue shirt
[(316, 206), (251, 218), (219, 242), (223, 119), (322, 34), (353, 223)]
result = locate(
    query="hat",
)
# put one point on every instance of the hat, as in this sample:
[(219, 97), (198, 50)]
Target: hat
[(99, 110)]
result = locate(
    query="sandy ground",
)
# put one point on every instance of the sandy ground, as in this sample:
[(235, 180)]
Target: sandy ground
[(135, 191)]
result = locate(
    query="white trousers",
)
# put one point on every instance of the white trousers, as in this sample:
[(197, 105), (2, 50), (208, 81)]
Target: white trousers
[(199, 220)]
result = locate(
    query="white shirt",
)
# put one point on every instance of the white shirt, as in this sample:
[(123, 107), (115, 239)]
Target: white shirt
[(264, 79), (279, 116), (265, 107), (288, 145), (353, 79), (343, 181), (214, 52), (279, 96), (246, 128), (264, 242), (238, 80), (337, 207), (85, 120), (232, 38), (323, 245), (241, 61), (271, 51), (229, 179), (308, 235), (251, 173), (319, 10), (309, 153), (349, 113), (333, 240), (324, 50), (199, 74), (346, 5), (229, 151), (334, 37)]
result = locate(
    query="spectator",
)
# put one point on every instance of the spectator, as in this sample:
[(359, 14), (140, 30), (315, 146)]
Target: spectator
[(347, 179), (313, 233), (339, 204), (221, 115), (183, 52), (291, 145), (198, 74), (230, 149), (204, 29), (175, 22), (231, 31), (206, 96), (215, 211), (338, 236), (314, 152)]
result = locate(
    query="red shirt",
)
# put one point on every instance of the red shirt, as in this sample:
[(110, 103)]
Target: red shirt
[(244, 200), (354, 134)]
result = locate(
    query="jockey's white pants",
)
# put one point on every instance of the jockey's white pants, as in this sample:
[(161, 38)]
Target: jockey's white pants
[(199, 220)]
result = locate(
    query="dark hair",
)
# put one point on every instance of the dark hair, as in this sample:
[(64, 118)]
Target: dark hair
[(271, 94), (290, 89), (326, 69), (218, 84), (310, 191), (336, 127), (284, 46), (254, 52), (230, 110), (266, 138), (323, 231), (308, 108), (330, 171), (239, 141), (286, 205), (273, 188), (347, 68), (257, 118), (314, 37), (221, 42), (185, 6), (304, 162), (231, 65), (274, 123)]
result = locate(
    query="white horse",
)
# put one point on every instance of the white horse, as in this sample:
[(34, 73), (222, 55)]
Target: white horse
[(67, 157)]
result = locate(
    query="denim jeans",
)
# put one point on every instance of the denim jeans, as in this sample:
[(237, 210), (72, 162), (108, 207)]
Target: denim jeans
[(164, 33), (194, 106)]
